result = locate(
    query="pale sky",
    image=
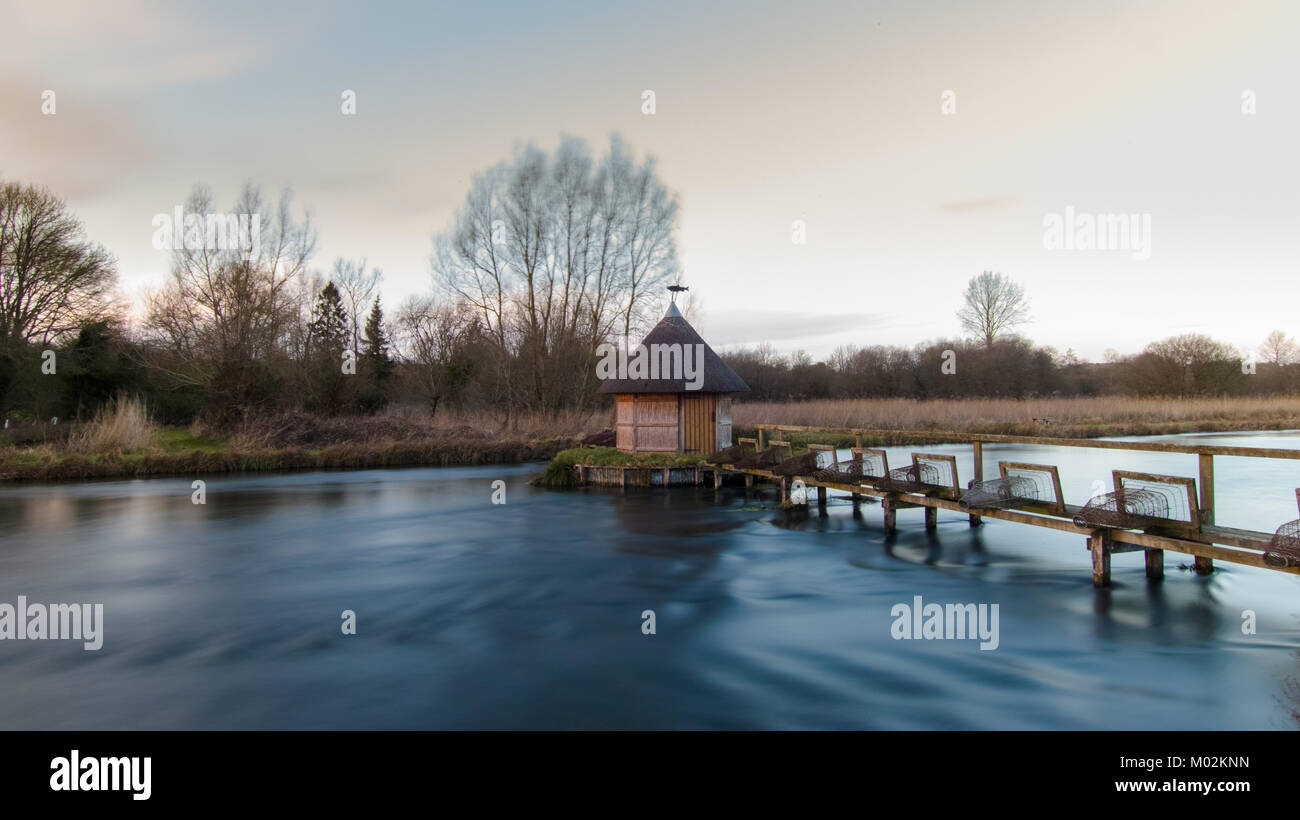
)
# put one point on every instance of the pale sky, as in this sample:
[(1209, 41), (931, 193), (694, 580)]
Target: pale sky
[(766, 113)]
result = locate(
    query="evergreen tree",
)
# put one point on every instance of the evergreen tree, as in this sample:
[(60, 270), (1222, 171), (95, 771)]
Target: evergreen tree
[(378, 364), (327, 339), (328, 331)]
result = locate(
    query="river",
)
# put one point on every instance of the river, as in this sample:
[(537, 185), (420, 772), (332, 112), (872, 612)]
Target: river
[(528, 614)]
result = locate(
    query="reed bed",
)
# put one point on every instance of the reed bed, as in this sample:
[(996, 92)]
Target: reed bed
[(1088, 417)]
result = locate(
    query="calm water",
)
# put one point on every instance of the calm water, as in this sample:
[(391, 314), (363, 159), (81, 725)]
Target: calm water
[(528, 614)]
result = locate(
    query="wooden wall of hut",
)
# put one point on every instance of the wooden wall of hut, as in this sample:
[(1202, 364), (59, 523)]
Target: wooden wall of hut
[(647, 422)]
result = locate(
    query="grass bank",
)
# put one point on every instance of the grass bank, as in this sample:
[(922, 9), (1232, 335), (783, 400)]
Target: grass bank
[(292, 442), (559, 473)]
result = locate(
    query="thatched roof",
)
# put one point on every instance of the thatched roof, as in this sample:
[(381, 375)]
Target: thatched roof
[(674, 329)]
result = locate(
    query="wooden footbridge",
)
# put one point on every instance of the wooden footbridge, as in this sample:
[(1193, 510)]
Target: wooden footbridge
[(1145, 512)]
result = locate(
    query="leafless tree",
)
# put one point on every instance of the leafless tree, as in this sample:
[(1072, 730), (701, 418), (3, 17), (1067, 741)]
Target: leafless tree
[(357, 287), (52, 279), (436, 340), (1279, 349), (994, 304), (228, 311), (555, 254)]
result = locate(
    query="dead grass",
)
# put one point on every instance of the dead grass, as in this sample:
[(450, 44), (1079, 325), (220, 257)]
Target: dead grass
[(1070, 417), (120, 427)]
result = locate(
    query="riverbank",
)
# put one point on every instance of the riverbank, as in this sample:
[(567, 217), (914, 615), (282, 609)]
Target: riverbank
[(286, 443)]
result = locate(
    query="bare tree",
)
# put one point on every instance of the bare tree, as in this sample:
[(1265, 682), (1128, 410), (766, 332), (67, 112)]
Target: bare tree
[(994, 304), (52, 279), (435, 339), (230, 310), (356, 287), (555, 254), (1279, 349)]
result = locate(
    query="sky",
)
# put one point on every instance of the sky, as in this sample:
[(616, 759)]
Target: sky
[(913, 145)]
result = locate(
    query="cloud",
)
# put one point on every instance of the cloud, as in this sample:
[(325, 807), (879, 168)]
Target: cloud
[(754, 327), (82, 150), (984, 204), (125, 46)]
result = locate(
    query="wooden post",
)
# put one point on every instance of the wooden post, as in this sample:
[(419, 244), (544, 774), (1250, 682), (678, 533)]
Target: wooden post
[(717, 478), (749, 480), (1155, 564), (891, 515), (975, 520), (785, 489), (759, 447), (666, 476), (1100, 546), (821, 497), (931, 518), (857, 440), (1203, 565)]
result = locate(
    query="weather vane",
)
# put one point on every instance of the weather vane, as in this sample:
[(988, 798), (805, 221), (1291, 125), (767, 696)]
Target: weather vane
[(676, 289)]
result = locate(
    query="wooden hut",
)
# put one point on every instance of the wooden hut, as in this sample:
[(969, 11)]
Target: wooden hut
[(665, 414)]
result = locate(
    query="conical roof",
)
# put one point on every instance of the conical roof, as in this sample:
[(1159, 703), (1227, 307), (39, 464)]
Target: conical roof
[(674, 329)]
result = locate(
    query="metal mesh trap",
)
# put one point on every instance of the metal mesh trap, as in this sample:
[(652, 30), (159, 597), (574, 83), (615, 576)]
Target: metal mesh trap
[(731, 455), (915, 478), (1126, 509), (865, 467), (804, 464), (766, 459), (1284, 549), (1005, 493)]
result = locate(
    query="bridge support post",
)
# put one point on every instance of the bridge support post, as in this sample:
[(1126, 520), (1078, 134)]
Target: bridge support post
[(749, 480), (891, 515), (1099, 544), (975, 520), (1203, 565), (821, 497), (1155, 564), (931, 518)]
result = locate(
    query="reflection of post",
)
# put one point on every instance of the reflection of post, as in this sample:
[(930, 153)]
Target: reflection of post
[(1204, 566), (1100, 546), (975, 520)]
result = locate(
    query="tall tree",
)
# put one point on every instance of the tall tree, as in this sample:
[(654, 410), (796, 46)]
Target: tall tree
[(52, 279), (1279, 349), (376, 361), (355, 286), (328, 339), (994, 304), (556, 254), (226, 311)]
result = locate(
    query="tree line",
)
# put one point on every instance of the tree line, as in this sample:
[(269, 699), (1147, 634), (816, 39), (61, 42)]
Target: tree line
[(1012, 366), (549, 256)]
